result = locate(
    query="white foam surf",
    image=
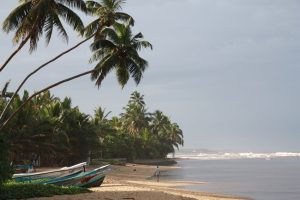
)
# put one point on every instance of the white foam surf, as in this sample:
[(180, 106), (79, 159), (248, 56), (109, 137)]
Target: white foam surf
[(232, 156)]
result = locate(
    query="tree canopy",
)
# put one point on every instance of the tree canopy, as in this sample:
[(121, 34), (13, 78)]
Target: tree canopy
[(53, 129)]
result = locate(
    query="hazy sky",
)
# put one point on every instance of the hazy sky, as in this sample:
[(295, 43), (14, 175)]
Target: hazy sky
[(227, 71)]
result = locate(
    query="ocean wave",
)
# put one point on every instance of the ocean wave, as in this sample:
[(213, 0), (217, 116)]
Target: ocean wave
[(232, 156)]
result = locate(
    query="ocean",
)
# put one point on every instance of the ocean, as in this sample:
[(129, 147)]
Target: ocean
[(265, 176)]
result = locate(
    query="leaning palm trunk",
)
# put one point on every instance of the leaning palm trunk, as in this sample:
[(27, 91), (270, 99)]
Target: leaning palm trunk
[(41, 91), (15, 52), (37, 69)]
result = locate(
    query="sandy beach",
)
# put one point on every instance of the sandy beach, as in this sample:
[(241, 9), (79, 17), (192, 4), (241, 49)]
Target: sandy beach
[(134, 182)]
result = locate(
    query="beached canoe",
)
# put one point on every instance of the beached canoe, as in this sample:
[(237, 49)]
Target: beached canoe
[(91, 178), (93, 182), (65, 171)]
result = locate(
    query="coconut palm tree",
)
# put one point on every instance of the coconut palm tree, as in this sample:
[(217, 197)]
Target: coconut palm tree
[(175, 135), (106, 13), (4, 93), (100, 115), (27, 100), (32, 18), (158, 122), (119, 52), (137, 98), (135, 119)]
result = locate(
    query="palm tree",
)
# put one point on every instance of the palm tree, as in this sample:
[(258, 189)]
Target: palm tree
[(137, 98), (3, 93), (100, 115), (159, 122), (106, 13), (175, 135), (34, 17), (101, 122), (135, 119), (27, 100), (119, 52)]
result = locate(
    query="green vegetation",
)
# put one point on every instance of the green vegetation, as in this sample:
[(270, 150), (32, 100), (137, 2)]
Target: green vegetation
[(5, 168), (44, 128), (116, 161), (53, 130), (14, 190), (33, 19)]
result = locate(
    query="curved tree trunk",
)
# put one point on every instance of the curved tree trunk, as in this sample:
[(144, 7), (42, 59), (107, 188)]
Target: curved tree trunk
[(36, 70), (15, 52), (41, 91)]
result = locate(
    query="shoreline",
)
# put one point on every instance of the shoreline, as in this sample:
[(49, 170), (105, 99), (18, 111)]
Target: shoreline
[(133, 181)]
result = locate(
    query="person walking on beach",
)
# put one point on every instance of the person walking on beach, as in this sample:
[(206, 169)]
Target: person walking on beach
[(157, 173)]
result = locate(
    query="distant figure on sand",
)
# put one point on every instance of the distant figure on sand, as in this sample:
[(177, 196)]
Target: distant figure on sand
[(157, 173)]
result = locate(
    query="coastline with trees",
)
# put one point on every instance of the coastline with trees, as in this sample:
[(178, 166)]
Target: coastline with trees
[(52, 130), (47, 131)]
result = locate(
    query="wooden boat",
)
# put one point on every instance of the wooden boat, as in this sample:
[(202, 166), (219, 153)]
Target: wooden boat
[(88, 179), (65, 171), (94, 182)]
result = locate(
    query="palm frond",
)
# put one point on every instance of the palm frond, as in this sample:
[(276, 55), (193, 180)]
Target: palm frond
[(35, 35), (48, 28), (135, 70), (60, 28), (143, 45), (93, 4), (99, 55), (91, 28), (122, 75), (124, 17), (4, 90), (103, 68), (138, 36), (92, 7), (111, 34), (102, 44), (70, 17), (15, 18), (78, 4)]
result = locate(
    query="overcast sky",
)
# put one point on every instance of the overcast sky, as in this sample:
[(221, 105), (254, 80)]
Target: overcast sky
[(227, 71)]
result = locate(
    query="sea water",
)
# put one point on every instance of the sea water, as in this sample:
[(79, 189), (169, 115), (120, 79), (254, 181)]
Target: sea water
[(272, 176)]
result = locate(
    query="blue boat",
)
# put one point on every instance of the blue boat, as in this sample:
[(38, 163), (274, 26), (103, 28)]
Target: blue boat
[(62, 172), (93, 178)]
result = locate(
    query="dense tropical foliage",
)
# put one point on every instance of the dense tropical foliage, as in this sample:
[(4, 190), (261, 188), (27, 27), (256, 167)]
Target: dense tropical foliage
[(13, 190), (5, 168), (51, 130), (46, 130)]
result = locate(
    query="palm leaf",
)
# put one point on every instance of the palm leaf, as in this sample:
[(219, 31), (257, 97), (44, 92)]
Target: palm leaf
[(122, 74), (103, 68), (60, 28), (15, 18), (70, 17), (102, 44), (91, 28), (124, 17)]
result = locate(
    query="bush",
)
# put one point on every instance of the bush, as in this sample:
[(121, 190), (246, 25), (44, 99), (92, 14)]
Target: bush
[(6, 170), (13, 190), (116, 161)]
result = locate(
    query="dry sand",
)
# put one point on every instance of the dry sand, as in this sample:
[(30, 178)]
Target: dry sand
[(133, 182)]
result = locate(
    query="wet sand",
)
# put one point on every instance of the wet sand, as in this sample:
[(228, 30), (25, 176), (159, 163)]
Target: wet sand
[(135, 182)]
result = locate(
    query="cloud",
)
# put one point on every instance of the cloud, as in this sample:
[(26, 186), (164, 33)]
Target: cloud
[(225, 70)]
